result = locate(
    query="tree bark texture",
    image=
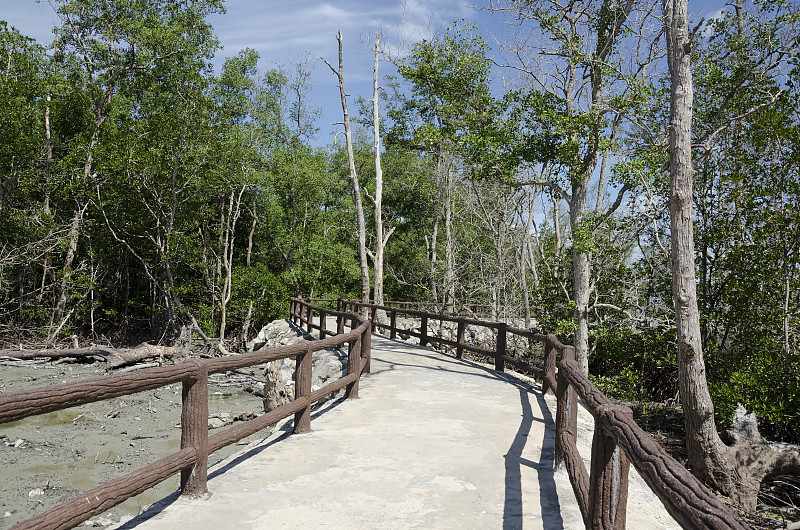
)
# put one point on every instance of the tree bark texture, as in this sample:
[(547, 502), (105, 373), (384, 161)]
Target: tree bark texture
[(74, 235), (581, 272), (707, 453), (737, 469), (449, 252), (703, 442)]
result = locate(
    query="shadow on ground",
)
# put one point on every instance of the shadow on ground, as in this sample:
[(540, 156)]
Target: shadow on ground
[(513, 512)]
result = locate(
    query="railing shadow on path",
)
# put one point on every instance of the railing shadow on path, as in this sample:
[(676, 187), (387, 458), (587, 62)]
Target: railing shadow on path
[(513, 509), (550, 507)]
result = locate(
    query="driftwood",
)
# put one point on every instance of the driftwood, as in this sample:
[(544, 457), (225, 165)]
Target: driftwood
[(116, 357)]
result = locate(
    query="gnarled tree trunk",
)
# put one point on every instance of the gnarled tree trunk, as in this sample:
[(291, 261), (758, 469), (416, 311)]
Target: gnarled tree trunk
[(737, 469)]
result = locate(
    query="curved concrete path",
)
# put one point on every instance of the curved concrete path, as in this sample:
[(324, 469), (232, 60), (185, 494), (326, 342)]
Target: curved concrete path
[(433, 442)]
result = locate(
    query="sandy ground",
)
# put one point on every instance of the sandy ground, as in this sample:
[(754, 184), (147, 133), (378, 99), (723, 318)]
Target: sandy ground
[(48, 459)]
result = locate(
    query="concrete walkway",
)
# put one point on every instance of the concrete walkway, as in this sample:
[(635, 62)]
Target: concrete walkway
[(432, 442)]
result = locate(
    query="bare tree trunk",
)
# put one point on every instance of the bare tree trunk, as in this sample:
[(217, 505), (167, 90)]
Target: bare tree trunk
[(362, 236), (530, 255), (229, 230), (786, 314), (581, 271), (381, 240), (523, 276), (449, 260), (525, 252), (48, 171), (557, 224), (48, 155), (703, 442), (252, 232), (74, 234), (432, 252)]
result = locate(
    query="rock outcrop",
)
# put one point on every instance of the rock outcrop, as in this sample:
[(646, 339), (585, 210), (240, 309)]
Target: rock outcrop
[(327, 365)]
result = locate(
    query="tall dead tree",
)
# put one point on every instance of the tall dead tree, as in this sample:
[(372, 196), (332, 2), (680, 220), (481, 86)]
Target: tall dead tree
[(362, 234), (381, 238)]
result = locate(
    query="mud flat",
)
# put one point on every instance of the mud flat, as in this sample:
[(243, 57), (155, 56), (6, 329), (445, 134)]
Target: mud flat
[(48, 459)]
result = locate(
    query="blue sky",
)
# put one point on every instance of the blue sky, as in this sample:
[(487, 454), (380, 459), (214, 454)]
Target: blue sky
[(287, 30), (283, 31)]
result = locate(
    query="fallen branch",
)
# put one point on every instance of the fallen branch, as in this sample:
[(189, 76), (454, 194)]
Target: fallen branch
[(116, 357)]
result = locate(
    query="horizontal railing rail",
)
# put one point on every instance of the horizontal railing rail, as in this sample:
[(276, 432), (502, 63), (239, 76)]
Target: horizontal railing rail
[(191, 460), (501, 330), (618, 442), (479, 311)]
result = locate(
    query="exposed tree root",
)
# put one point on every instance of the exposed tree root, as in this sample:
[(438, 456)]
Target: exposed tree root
[(752, 460)]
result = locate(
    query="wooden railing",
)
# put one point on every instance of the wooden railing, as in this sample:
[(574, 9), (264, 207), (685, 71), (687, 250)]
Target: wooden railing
[(618, 442), (477, 311), (192, 458)]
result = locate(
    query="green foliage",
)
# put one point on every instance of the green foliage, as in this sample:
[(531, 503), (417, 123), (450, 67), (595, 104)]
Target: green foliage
[(769, 386), (635, 365), (626, 385), (449, 78), (747, 200), (583, 235), (264, 289)]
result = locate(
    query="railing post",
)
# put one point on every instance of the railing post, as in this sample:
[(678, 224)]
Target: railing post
[(366, 346), (549, 365), (302, 389), (353, 366), (310, 318), (460, 338), (393, 324), (608, 480), (567, 411), (194, 430), (423, 330), (499, 364), (322, 330), (373, 312)]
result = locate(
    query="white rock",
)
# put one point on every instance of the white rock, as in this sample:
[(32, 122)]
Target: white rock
[(215, 423)]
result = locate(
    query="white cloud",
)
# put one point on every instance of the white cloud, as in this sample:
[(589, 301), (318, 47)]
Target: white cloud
[(288, 30)]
